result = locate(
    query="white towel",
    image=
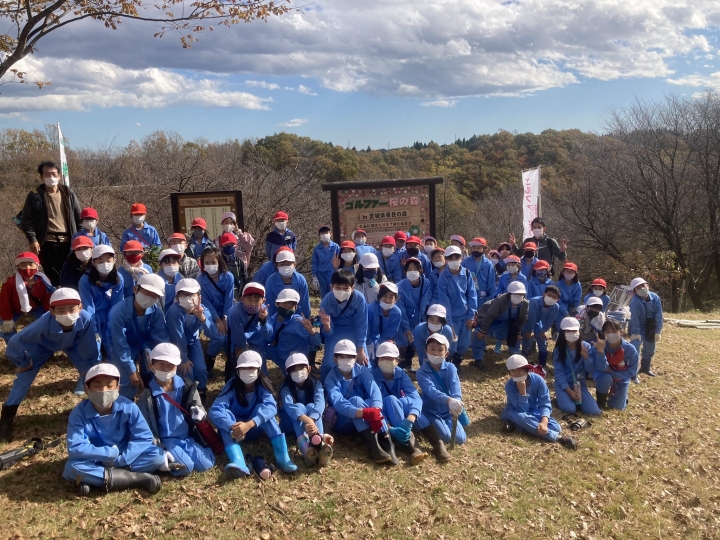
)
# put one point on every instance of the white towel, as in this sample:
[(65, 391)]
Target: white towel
[(22, 290)]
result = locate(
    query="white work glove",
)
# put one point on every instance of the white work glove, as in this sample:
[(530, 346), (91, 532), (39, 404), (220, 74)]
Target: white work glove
[(8, 326), (110, 461), (456, 406), (197, 414), (636, 337), (315, 282), (657, 337), (168, 459)]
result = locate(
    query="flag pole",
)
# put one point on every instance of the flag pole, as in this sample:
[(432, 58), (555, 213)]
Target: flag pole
[(539, 212)]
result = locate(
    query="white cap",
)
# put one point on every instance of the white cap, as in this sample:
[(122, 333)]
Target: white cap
[(634, 283), (284, 256), (390, 286), (569, 323), (452, 250), (516, 361), (102, 249), (345, 346), (369, 260), (188, 285), (101, 369), (288, 295), (594, 301), (64, 295), (249, 359), (440, 339), (387, 348), (517, 287), (166, 352), (438, 310), (169, 253), (228, 215), (153, 283), (296, 359)]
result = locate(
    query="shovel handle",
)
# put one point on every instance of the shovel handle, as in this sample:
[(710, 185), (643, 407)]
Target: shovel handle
[(453, 431)]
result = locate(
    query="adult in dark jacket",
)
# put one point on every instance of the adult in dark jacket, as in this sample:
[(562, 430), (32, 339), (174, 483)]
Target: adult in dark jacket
[(50, 217), (78, 262), (548, 248)]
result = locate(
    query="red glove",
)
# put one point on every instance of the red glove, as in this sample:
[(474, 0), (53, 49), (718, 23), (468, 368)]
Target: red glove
[(373, 417)]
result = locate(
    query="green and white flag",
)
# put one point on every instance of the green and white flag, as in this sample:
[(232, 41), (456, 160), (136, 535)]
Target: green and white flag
[(63, 157)]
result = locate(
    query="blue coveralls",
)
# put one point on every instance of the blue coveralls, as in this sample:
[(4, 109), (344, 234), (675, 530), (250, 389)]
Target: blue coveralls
[(184, 330), (99, 238), (310, 402), (130, 336), (380, 327), (363, 249), (570, 297), (275, 284), (169, 288), (499, 329), (38, 342), (195, 248), (287, 337), (420, 334), (425, 261), (352, 325), (400, 398), (346, 396), (129, 282), (527, 411), (437, 387), (605, 299), (540, 320), (261, 408), (321, 265), (218, 303), (457, 295), (147, 236), (390, 267), (248, 333), (98, 301), (506, 279), (566, 373), (91, 439), (640, 311), (433, 277), (262, 274), (616, 382), (483, 276), (413, 302), (526, 267), (536, 288), (175, 434), (277, 239)]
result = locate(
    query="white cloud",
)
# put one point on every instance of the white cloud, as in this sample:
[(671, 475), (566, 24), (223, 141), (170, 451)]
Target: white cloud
[(138, 124), (697, 80), (305, 90), (444, 103), (295, 122), (263, 84)]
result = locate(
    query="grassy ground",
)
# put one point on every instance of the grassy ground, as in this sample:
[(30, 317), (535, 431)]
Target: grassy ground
[(649, 472)]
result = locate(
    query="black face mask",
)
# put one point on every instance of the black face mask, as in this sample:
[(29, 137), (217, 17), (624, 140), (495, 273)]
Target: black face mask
[(592, 313), (529, 254), (413, 252), (477, 254)]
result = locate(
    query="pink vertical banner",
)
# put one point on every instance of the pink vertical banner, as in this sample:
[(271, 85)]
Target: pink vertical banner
[(531, 194)]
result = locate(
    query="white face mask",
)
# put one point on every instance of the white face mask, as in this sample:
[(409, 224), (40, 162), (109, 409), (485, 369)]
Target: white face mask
[(598, 292), (512, 268), (325, 237), (429, 249), (299, 376), (521, 378), (143, 300), (348, 257), (164, 376), (89, 224), (386, 366), (341, 294), (67, 320), (386, 306), (515, 299), (105, 268), (360, 241), (229, 227), (178, 248), (171, 270), (52, 181), (569, 275), (572, 336), (387, 251), (537, 233), (435, 359), (454, 265), (434, 327), (281, 225), (643, 292), (346, 365), (211, 269), (438, 264), (549, 301), (186, 303), (102, 400), (494, 262), (286, 271), (613, 339), (83, 255), (138, 220), (413, 275), (248, 377)]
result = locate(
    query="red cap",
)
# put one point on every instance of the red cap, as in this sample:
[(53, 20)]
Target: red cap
[(413, 240), (509, 247), (88, 213), (511, 258), (253, 288), (434, 251), (279, 216), (412, 260), (138, 208), (599, 282), (570, 266), (347, 244), (177, 236), (199, 222), (530, 245), (458, 238), (400, 235), (359, 231), (227, 238), (80, 242), (388, 240), (132, 245), (28, 256), (541, 265), (494, 252), (478, 242)]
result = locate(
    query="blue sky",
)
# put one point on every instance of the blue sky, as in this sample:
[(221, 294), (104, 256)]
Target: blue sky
[(372, 73)]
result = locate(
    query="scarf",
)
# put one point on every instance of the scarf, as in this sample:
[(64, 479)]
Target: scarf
[(135, 271), (22, 293)]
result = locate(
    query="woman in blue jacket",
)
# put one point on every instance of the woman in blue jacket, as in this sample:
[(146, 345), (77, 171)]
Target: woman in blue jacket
[(101, 288), (571, 360), (646, 322)]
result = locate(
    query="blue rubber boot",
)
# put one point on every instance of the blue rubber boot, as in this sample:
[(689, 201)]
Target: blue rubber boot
[(542, 358), (498, 344), (282, 458), (80, 386), (237, 467)]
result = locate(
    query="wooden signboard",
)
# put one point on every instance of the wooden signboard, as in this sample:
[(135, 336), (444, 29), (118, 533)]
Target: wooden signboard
[(209, 205), (383, 207)]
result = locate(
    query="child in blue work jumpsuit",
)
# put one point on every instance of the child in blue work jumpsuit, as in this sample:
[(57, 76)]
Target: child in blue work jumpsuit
[(287, 278), (436, 324), (456, 292), (302, 399), (527, 263), (598, 288), (482, 270), (168, 423), (169, 260), (570, 292), (250, 327), (88, 223), (571, 360), (384, 318), (616, 364), (542, 313), (245, 407), (441, 394), (369, 277), (137, 324), (67, 328), (109, 443), (185, 318), (140, 231), (414, 295), (324, 260), (387, 259), (132, 267), (437, 258), (511, 274), (528, 406), (355, 403), (646, 322), (539, 279), (101, 288), (359, 238)]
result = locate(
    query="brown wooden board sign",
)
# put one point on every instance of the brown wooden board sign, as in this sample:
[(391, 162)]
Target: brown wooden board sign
[(209, 205), (383, 207)]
